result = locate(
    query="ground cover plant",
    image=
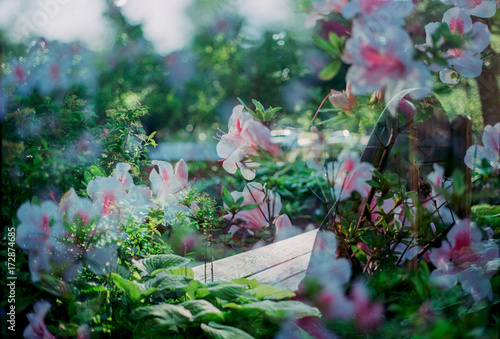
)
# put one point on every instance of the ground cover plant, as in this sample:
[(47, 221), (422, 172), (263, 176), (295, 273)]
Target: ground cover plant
[(100, 237)]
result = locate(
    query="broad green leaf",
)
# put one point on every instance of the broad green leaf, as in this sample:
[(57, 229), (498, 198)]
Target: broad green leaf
[(251, 283), (186, 271), (130, 288), (218, 331), (330, 70), (271, 292), (164, 281), (168, 314), (203, 310), (227, 291), (162, 261), (278, 310)]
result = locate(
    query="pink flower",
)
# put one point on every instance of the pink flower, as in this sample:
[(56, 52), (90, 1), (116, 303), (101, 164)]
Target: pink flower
[(368, 315), (322, 9), (392, 12), (36, 328), (107, 193), (122, 175), (168, 180), (490, 151), (437, 202), (464, 258), (467, 61), (246, 135), (339, 101), (282, 223), (261, 216), (348, 175), (479, 8), (384, 60)]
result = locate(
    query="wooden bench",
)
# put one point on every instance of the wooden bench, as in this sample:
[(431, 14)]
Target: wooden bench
[(282, 263)]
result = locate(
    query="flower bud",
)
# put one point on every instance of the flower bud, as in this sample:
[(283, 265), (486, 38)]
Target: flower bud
[(339, 100), (407, 109)]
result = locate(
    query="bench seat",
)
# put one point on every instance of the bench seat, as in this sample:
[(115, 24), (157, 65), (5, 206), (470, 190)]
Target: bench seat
[(282, 263)]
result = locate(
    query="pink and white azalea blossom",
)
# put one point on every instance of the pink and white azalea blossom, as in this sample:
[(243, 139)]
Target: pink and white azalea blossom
[(168, 180), (384, 60), (322, 9), (107, 193), (489, 152), (378, 12), (464, 258), (369, 315), (282, 223), (465, 61), (261, 216), (436, 201), (348, 174), (479, 8), (244, 138), (122, 175), (36, 328), (39, 233)]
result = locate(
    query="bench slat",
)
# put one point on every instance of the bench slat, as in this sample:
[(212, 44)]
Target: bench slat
[(292, 253)]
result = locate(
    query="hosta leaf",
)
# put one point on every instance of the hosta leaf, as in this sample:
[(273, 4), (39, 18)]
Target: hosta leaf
[(218, 331), (167, 314), (203, 310), (271, 292), (130, 288), (186, 271), (278, 310), (162, 261), (164, 281), (251, 283), (227, 291), (58, 287)]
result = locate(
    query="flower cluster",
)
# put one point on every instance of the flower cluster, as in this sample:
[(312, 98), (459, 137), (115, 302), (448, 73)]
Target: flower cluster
[(348, 174), (332, 273), (258, 210), (244, 138), (465, 258), (61, 238)]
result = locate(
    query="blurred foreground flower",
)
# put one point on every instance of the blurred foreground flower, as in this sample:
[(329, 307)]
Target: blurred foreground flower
[(489, 152), (464, 258), (259, 209), (348, 174), (36, 328)]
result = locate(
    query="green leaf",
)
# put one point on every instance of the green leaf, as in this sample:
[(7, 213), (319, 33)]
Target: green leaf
[(330, 70), (162, 261), (246, 107), (227, 291), (227, 197), (203, 310), (251, 283), (270, 292), (167, 314), (186, 271), (87, 176), (130, 288), (258, 105), (459, 186), (218, 331), (249, 207), (278, 310), (325, 45), (164, 281)]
